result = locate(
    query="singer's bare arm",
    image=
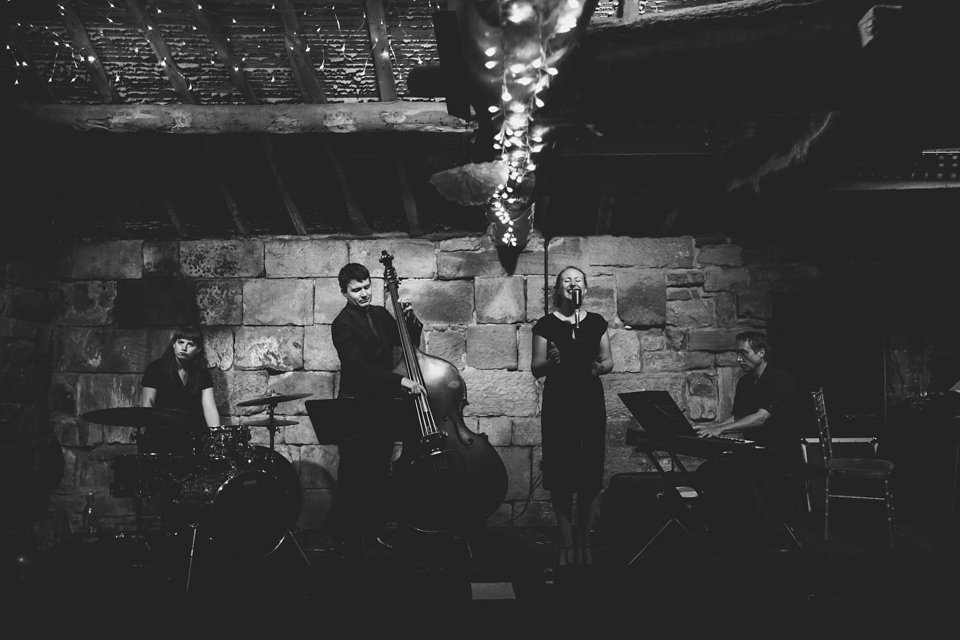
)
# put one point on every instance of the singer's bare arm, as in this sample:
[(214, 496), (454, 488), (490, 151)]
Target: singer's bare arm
[(604, 361), (545, 355)]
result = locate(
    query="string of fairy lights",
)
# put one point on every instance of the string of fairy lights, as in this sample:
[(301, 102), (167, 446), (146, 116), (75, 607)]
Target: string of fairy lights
[(254, 56), (531, 40)]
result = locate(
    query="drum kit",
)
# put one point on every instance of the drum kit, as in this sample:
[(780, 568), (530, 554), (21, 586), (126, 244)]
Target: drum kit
[(211, 482)]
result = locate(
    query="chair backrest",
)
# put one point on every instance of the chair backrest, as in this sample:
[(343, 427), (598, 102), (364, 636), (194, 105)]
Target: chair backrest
[(823, 424)]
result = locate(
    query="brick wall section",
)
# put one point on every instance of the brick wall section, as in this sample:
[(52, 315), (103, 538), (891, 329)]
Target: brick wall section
[(266, 306)]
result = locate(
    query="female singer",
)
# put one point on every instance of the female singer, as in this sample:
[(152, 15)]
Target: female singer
[(572, 349), (180, 380)]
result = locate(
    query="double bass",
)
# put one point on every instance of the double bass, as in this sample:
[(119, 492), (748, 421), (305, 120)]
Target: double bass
[(447, 476)]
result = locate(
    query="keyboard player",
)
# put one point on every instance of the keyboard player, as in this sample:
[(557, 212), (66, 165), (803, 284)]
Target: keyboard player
[(765, 411)]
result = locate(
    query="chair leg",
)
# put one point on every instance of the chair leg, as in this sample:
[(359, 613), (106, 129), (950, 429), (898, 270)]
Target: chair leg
[(826, 508), (891, 522)]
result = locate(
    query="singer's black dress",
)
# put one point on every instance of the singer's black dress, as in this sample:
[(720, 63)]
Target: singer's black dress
[(573, 417)]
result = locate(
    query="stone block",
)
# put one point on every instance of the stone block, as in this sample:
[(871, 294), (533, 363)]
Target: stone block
[(24, 274), (218, 344), (102, 350), (696, 312), (519, 471), (221, 258), (106, 259), (450, 345), (62, 395), (319, 384), (524, 347), (17, 328), (621, 251), (641, 297), (652, 340), (319, 354), (161, 258), (726, 279), (492, 346), (298, 434), (27, 304), (538, 292), (625, 346), (304, 258), (723, 255), (755, 304), (219, 301), (685, 278), (701, 383), (236, 386), (562, 252), (726, 390), (86, 303), (712, 339), (497, 429), (328, 300), (107, 390), (273, 348), (411, 258), (500, 300), (285, 301), (702, 409), (726, 306), (526, 431), (439, 302), (500, 393)]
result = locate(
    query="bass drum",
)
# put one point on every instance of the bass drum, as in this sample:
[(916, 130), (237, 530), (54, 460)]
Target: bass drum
[(244, 511)]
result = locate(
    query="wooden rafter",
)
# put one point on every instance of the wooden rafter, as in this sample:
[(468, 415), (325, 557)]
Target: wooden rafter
[(379, 53), (605, 214), (224, 52), (301, 63), (29, 67), (409, 202), (81, 42), (151, 31), (171, 210)]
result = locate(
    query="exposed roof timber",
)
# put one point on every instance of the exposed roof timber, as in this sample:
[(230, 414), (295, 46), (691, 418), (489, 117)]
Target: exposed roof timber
[(154, 36), (224, 52), (379, 40), (268, 118), (301, 63), (29, 67), (81, 42)]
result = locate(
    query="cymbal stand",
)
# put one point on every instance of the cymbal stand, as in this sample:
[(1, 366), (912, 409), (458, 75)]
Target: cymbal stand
[(138, 499), (272, 426)]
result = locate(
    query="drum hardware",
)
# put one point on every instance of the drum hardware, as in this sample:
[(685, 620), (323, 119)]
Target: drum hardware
[(273, 399), (139, 418)]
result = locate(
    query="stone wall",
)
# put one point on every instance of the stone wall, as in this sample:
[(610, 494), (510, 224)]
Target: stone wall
[(265, 306)]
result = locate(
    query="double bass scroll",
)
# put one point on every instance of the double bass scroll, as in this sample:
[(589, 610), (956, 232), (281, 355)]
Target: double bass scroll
[(448, 476)]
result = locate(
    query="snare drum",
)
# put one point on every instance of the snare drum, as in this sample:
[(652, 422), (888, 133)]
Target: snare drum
[(225, 443)]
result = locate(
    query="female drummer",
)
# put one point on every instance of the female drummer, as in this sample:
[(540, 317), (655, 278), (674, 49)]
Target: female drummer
[(180, 380)]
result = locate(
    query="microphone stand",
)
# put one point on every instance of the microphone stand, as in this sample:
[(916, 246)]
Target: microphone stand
[(576, 296)]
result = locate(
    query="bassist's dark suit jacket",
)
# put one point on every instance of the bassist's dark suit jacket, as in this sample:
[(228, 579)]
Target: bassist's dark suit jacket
[(366, 371)]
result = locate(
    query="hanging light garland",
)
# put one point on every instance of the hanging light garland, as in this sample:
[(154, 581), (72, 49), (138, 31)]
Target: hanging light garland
[(531, 42)]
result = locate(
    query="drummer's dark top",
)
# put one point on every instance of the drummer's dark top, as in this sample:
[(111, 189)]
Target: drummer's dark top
[(171, 392)]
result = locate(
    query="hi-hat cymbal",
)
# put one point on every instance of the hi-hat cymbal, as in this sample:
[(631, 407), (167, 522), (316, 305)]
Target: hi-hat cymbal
[(270, 423), (150, 417), (273, 399)]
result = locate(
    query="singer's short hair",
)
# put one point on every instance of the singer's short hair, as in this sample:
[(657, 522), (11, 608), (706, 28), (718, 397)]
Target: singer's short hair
[(557, 286)]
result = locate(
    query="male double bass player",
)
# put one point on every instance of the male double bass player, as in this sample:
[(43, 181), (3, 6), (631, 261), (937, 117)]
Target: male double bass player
[(364, 335)]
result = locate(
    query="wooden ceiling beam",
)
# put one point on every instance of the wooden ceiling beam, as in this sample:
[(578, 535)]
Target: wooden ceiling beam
[(154, 36), (409, 202), (267, 118), (379, 53), (81, 42)]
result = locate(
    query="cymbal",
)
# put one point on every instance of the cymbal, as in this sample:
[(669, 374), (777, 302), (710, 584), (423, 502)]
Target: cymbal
[(270, 423), (150, 417), (273, 399)]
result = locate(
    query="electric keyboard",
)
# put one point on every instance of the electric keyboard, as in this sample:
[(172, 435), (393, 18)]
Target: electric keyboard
[(708, 447)]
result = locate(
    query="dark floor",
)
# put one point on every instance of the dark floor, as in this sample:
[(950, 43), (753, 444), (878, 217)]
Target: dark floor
[(502, 577)]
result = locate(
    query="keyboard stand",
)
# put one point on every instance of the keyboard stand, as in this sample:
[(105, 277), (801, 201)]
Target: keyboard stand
[(679, 500)]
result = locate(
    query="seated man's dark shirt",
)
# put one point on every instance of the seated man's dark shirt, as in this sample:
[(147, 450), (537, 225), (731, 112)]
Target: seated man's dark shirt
[(775, 392)]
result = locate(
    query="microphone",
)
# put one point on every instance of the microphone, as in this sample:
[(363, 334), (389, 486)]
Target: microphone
[(576, 295)]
